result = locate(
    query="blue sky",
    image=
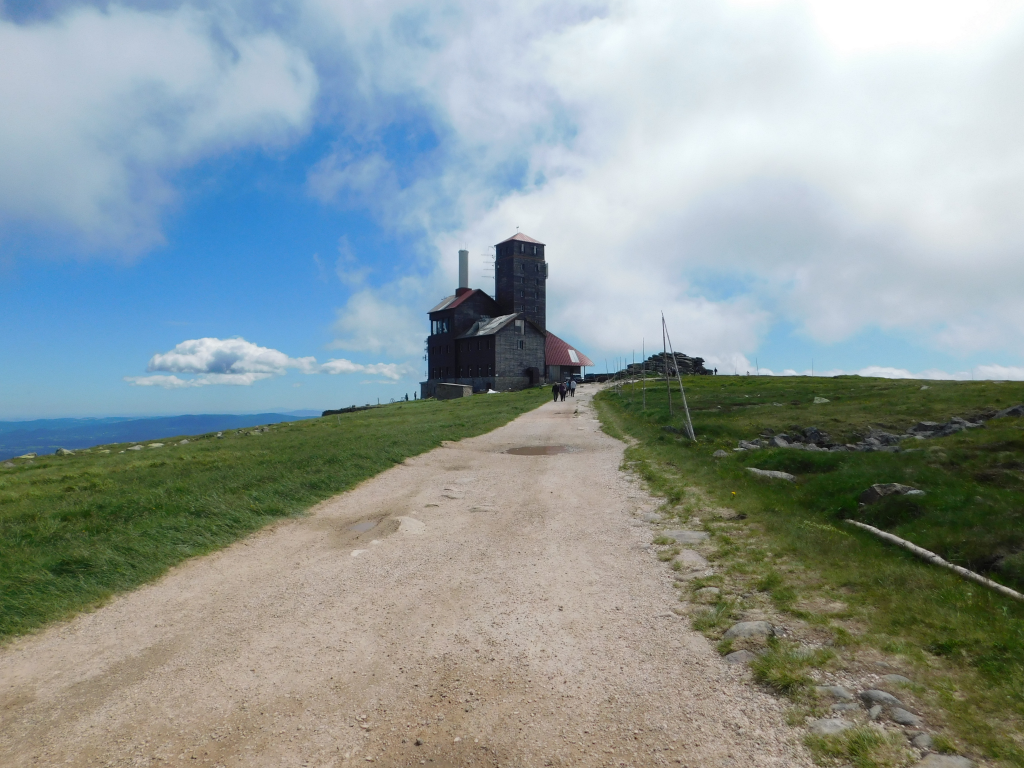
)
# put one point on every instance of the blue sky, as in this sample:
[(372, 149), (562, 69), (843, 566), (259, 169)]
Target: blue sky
[(219, 207)]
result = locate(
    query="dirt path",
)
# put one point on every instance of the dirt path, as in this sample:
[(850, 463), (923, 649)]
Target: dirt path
[(468, 607)]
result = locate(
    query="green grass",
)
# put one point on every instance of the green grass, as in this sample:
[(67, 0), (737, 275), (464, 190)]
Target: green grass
[(965, 642), (861, 748), (79, 529)]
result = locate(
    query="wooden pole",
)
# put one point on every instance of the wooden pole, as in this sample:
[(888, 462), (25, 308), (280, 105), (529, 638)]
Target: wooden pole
[(643, 368), (664, 359), (682, 392)]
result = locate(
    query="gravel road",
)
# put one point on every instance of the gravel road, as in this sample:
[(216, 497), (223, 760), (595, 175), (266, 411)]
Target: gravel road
[(468, 607)]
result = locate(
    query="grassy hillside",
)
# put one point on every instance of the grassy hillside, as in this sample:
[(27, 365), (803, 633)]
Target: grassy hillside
[(78, 529), (793, 547)]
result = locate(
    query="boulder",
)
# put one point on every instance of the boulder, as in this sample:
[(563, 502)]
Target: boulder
[(771, 473), (820, 400), (944, 761), (835, 691), (135, 448), (690, 560), (875, 712), (922, 741), (720, 454), (881, 490), (740, 657), (903, 717), (9, 465), (687, 537), (778, 442), (183, 442), (26, 456), (63, 452), (874, 696), (1016, 410), (155, 445), (828, 726), (896, 679), (747, 629), (925, 427), (816, 436), (751, 445), (708, 593)]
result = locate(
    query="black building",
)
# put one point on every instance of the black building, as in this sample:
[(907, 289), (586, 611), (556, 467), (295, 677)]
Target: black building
[(495, 343)]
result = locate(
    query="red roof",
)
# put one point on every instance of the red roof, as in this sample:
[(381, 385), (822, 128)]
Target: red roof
[(557, 352), (521, 238), (450, 302)]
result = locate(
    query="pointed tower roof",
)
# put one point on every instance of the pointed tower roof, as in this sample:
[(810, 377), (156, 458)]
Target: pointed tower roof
[(519, 237)]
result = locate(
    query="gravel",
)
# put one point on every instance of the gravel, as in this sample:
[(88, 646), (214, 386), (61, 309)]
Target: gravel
[(527, 631)]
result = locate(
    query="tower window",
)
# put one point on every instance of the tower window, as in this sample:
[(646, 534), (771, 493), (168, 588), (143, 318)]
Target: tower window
[(521, 343)]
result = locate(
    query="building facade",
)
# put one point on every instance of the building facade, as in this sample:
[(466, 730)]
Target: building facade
[(498, 343)]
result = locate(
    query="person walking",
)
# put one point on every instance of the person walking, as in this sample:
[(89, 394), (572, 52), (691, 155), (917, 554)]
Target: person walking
[(572, 387), (554, 391), (561, 391)]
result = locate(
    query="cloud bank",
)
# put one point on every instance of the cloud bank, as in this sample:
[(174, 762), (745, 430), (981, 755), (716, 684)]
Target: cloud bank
[(101, 107), (241, 363)]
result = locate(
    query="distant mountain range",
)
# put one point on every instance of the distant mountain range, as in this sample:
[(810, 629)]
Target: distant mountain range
[(47, 435)]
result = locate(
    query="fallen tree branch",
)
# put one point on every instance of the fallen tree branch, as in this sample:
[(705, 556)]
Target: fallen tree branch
[(934, 559)]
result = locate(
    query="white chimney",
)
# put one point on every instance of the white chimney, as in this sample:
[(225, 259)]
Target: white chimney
[(463, 269)]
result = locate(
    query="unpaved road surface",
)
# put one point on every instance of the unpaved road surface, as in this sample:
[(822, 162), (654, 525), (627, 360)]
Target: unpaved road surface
[(468, 607)]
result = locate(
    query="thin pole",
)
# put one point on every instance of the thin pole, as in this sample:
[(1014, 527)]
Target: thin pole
[(664, 359), (757, 367), (643, 368), (632, 374), (686, 408)]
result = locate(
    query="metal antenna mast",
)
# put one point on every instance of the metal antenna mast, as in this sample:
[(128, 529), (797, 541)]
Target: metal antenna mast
[(686, 408)]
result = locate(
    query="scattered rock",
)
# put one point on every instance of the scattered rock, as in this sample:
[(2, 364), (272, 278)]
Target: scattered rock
[(687, 537), (26, 456), (219, 435), (778, 442), (183, 442), (691, 560), (740, 657), (875, 712), (874, 696), (155, 445), (745, 629), (835, 691), (649, 518), (829, 726), (922, 741), (749, 446), (903, 717), (1017, 410), (896, 679), (708, 592), (63, 452), (720, 454), (771, 473), (881, 490), (925, 386), (944, 761), (9, 464), (845, 707), (135, 448), (820, 400)]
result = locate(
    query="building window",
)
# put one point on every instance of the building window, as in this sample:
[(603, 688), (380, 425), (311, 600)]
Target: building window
[(440, 326), (522, 294), (520, 326), (521, 343)]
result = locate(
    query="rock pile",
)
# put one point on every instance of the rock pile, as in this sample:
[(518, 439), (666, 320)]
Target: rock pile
[(813, 439), (688, 366)]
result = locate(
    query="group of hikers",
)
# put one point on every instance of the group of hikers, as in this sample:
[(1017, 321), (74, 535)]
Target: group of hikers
[(560, 389)]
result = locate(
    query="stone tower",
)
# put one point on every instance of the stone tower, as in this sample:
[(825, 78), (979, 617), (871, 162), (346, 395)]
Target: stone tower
[(520, 277)]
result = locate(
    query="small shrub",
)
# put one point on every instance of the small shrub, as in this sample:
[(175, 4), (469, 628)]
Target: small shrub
[(715, 617)]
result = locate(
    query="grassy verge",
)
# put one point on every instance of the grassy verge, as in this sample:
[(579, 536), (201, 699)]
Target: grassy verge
[(781, 549), (78, 529)]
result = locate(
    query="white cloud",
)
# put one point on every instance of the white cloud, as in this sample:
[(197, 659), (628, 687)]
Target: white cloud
[(100, 107), (838, 165), (241, 363), (978, 373), (391, 319)]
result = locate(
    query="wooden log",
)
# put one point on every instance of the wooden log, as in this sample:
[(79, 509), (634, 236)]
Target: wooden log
[(934, 559)]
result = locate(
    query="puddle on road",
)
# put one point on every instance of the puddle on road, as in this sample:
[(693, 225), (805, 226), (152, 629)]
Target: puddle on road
[(363, 526), (540, 450)]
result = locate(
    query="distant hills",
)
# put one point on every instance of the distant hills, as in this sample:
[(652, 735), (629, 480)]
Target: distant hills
[(47, 435)]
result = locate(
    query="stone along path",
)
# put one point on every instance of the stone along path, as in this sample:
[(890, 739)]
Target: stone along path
[(468, 607)]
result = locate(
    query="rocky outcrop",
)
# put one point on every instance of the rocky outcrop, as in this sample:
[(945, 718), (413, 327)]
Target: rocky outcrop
[(688, 366)]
